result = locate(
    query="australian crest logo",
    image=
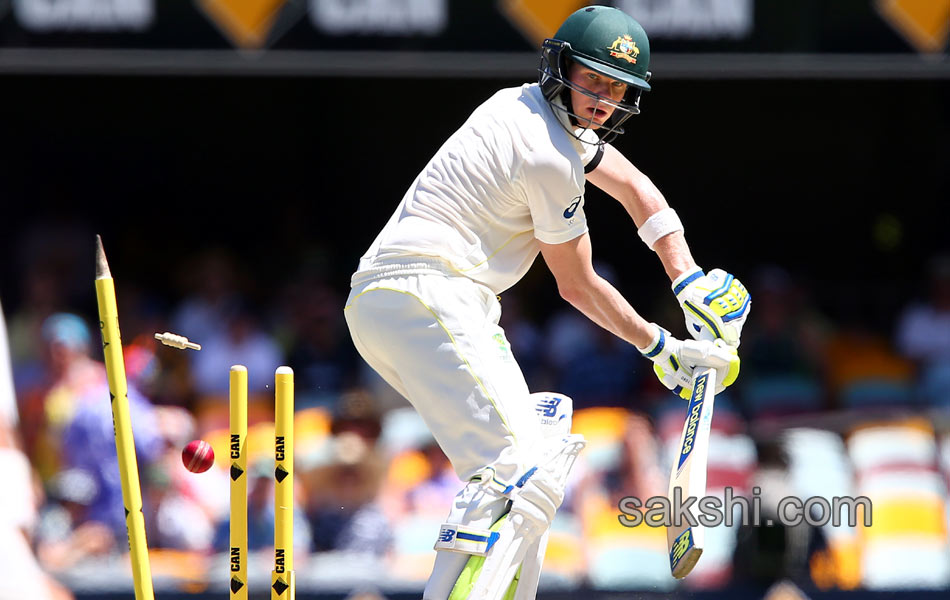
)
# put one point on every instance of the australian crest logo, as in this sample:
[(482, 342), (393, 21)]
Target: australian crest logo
[(502, 345), (625, 48)]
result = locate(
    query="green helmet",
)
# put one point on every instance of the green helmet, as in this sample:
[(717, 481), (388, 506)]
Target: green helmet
[(610, 42), (605, 40)]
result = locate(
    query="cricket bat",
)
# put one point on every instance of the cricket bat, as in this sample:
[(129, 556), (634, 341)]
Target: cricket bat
[(684, 542)]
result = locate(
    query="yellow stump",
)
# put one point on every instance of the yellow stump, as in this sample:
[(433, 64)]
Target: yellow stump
[(124, 442), (283, 586), (237, 450)]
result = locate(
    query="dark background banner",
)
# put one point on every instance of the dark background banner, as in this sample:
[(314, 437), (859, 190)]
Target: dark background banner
[(747, 26)]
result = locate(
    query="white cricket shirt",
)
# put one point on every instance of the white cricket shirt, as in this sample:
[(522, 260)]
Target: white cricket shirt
[(511, 175)]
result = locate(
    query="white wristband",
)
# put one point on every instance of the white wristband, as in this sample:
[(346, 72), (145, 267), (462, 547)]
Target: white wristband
[(661, 223)]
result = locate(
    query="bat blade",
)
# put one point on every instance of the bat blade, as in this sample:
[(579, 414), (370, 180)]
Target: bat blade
[(688, 474)]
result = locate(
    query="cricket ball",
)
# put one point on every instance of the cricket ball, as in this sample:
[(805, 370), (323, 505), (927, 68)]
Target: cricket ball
[(197, 456)]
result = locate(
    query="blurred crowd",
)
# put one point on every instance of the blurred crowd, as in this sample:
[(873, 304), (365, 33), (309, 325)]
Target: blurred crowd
[(822, 408)]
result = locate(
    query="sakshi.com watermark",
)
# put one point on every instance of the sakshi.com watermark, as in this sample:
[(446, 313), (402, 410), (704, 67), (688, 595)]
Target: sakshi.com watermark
[(730, 509)]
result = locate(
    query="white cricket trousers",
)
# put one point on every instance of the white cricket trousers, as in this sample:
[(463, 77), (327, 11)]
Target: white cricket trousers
[(435, 338)]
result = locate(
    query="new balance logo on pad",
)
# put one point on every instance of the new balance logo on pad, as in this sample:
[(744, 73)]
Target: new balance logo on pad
[(446, 534), (548, 406)]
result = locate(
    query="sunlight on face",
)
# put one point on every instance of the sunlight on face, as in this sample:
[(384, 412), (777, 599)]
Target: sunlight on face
[(603, 86)]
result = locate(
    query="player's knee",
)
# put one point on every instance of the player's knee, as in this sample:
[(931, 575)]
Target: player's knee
[(478, 505), (540, 491), (538, 499)]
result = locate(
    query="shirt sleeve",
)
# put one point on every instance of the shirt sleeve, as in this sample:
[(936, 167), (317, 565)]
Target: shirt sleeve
[(591, 164), (592, 150), (555, 198)]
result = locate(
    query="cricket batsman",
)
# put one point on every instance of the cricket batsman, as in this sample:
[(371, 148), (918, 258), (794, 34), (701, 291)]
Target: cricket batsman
[(423, 309)]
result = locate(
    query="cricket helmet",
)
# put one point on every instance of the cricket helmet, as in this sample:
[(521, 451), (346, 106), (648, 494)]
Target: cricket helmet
[(607, 41)]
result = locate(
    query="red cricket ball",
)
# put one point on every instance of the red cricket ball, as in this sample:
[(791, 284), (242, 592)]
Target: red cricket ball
[(197, 456)]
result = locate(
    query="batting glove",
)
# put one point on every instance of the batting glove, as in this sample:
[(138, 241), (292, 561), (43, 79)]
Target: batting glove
[(674, 361), (715, 305)]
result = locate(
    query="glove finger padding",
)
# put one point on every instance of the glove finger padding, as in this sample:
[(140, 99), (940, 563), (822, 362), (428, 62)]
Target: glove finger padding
[(718, 355), (674, 361), (715, 305)]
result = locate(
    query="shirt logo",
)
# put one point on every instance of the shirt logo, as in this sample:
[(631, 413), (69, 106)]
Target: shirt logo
[(570, 210), (625, 48)]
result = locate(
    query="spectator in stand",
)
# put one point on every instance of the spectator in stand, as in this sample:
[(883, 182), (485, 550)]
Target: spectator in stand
[(606, 479), (69, 373), (342, 509), (70, 436), (864, 367), (242, 340), (88, 446), (591, 365), (324, 360), (638, 472), (260, 513), (437, 490), (181, 509), (765, 556), (42, 297), (211, 283), (66, 536), (785, 333), (605, 374), (46, 255), (343, 484), (923, 333), (784, 349)]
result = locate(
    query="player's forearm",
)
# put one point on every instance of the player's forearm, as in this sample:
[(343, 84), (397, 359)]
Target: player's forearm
[(674, 253), (641, 199), (624, 182), (644, 201), (606, 307)]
